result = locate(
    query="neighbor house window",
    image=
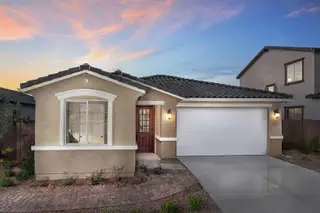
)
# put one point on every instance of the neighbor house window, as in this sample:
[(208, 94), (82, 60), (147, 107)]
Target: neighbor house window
[(86, 122), (294, 113), (294, 72), (271, 88)]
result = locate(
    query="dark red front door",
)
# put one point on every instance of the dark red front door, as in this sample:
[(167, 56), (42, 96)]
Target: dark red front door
[(145, 128)]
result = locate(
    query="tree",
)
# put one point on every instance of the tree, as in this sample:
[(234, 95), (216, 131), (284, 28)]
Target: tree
[(8, 115)]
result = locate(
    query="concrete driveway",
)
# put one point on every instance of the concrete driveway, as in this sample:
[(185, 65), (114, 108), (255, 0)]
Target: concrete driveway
[(257, 184)]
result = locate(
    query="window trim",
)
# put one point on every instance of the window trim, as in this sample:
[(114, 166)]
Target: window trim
[(63, 97), (270, 85), (293, 107), (285, 72)]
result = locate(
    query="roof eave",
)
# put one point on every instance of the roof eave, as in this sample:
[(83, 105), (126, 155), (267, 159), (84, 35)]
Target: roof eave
[(27, 89)]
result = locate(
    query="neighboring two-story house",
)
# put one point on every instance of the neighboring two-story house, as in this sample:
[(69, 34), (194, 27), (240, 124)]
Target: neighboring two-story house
[(291, 70)]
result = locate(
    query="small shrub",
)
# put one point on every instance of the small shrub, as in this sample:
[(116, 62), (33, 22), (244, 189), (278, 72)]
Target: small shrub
[(117, 171), (169, 208), (6, 182), (22, 175), (96, 177), (69, 180), (158, 171), (136, 211), (314, 144), (44, 182), (7, 173), (143, 169), (28, 164), (194, 202)]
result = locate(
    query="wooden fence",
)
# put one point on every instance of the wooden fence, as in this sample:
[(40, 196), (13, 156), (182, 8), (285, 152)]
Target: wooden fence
[(300, 131), (20, 137)]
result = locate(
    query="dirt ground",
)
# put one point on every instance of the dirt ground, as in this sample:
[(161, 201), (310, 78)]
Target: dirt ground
[(310, 161)]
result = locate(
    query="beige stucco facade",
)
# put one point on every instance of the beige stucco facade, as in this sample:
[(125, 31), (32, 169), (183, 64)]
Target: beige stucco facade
[(270, 69), (164, 127), (54, 163), (47, 129)]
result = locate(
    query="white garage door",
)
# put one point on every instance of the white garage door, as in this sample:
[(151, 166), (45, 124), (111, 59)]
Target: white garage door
[(221, 131)]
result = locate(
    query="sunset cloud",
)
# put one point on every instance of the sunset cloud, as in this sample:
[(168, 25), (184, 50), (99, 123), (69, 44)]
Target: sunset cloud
[(296, 13), (85, 33), (136, 55), (144, 12), (16, 24)]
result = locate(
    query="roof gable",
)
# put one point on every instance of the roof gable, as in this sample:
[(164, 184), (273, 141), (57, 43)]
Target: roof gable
[(267, 48), (85, 68)]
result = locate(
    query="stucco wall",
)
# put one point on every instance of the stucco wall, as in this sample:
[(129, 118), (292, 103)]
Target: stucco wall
[(53, 164), (163, 126), (47, 129), (47, 126), (270, 69), (168, 127)]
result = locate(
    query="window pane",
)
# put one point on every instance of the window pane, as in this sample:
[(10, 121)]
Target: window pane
[(298, 71), (294, 113), (290, 73), (97, 122), (75, 122)]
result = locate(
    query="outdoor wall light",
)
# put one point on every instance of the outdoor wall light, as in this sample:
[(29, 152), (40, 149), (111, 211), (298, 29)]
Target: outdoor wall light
[(169, 114), (276, 113)]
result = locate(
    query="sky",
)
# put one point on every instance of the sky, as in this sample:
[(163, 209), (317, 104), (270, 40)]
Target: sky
[(208, 40)]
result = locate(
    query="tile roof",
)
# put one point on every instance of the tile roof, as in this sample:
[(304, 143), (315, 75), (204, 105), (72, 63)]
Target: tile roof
[(185, 88), (189, 88), (16, 96), (314, 96), (79, 69), (267, 48)]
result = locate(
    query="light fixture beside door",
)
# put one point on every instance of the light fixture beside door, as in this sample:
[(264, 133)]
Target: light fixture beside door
[(169, 114)]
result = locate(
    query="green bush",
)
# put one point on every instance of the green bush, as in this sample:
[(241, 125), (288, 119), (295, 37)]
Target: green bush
[(6, 182), (169, 208), (96, 177), (28, 164), (194, 202), (69, 180), (8, 173), (22, 175)]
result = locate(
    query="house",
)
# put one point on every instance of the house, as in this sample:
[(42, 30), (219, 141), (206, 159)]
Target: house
[(26, 102), (89, 119), (292, 70)]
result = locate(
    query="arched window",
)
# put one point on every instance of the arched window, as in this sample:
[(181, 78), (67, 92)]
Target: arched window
[(85, 117)]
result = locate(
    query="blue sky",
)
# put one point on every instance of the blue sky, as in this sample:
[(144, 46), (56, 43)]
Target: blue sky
[(203, 39)]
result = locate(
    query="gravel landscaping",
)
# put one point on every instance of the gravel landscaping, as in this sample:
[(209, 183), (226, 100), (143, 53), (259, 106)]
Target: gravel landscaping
[(147, 192), (308, 161)]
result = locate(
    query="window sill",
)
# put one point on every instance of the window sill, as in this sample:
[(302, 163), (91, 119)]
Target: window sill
[(294, 82), (82, 147), (277, 137)]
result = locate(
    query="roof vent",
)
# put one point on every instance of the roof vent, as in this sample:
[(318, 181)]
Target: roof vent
[(118, 72), (85, 66)]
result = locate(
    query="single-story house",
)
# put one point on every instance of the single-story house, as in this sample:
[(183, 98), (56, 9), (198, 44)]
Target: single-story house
[(89, 119)]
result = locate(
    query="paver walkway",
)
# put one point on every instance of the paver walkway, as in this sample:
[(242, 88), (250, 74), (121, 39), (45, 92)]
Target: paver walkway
[(37, 199)]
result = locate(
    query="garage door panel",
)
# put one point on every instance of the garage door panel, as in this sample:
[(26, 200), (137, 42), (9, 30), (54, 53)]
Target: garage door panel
[(221, 131)]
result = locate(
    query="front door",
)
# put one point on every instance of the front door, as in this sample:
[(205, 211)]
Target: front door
[(145, 128)]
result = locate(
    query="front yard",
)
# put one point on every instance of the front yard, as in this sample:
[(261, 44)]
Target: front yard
[(147, 192), (310, 161)]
